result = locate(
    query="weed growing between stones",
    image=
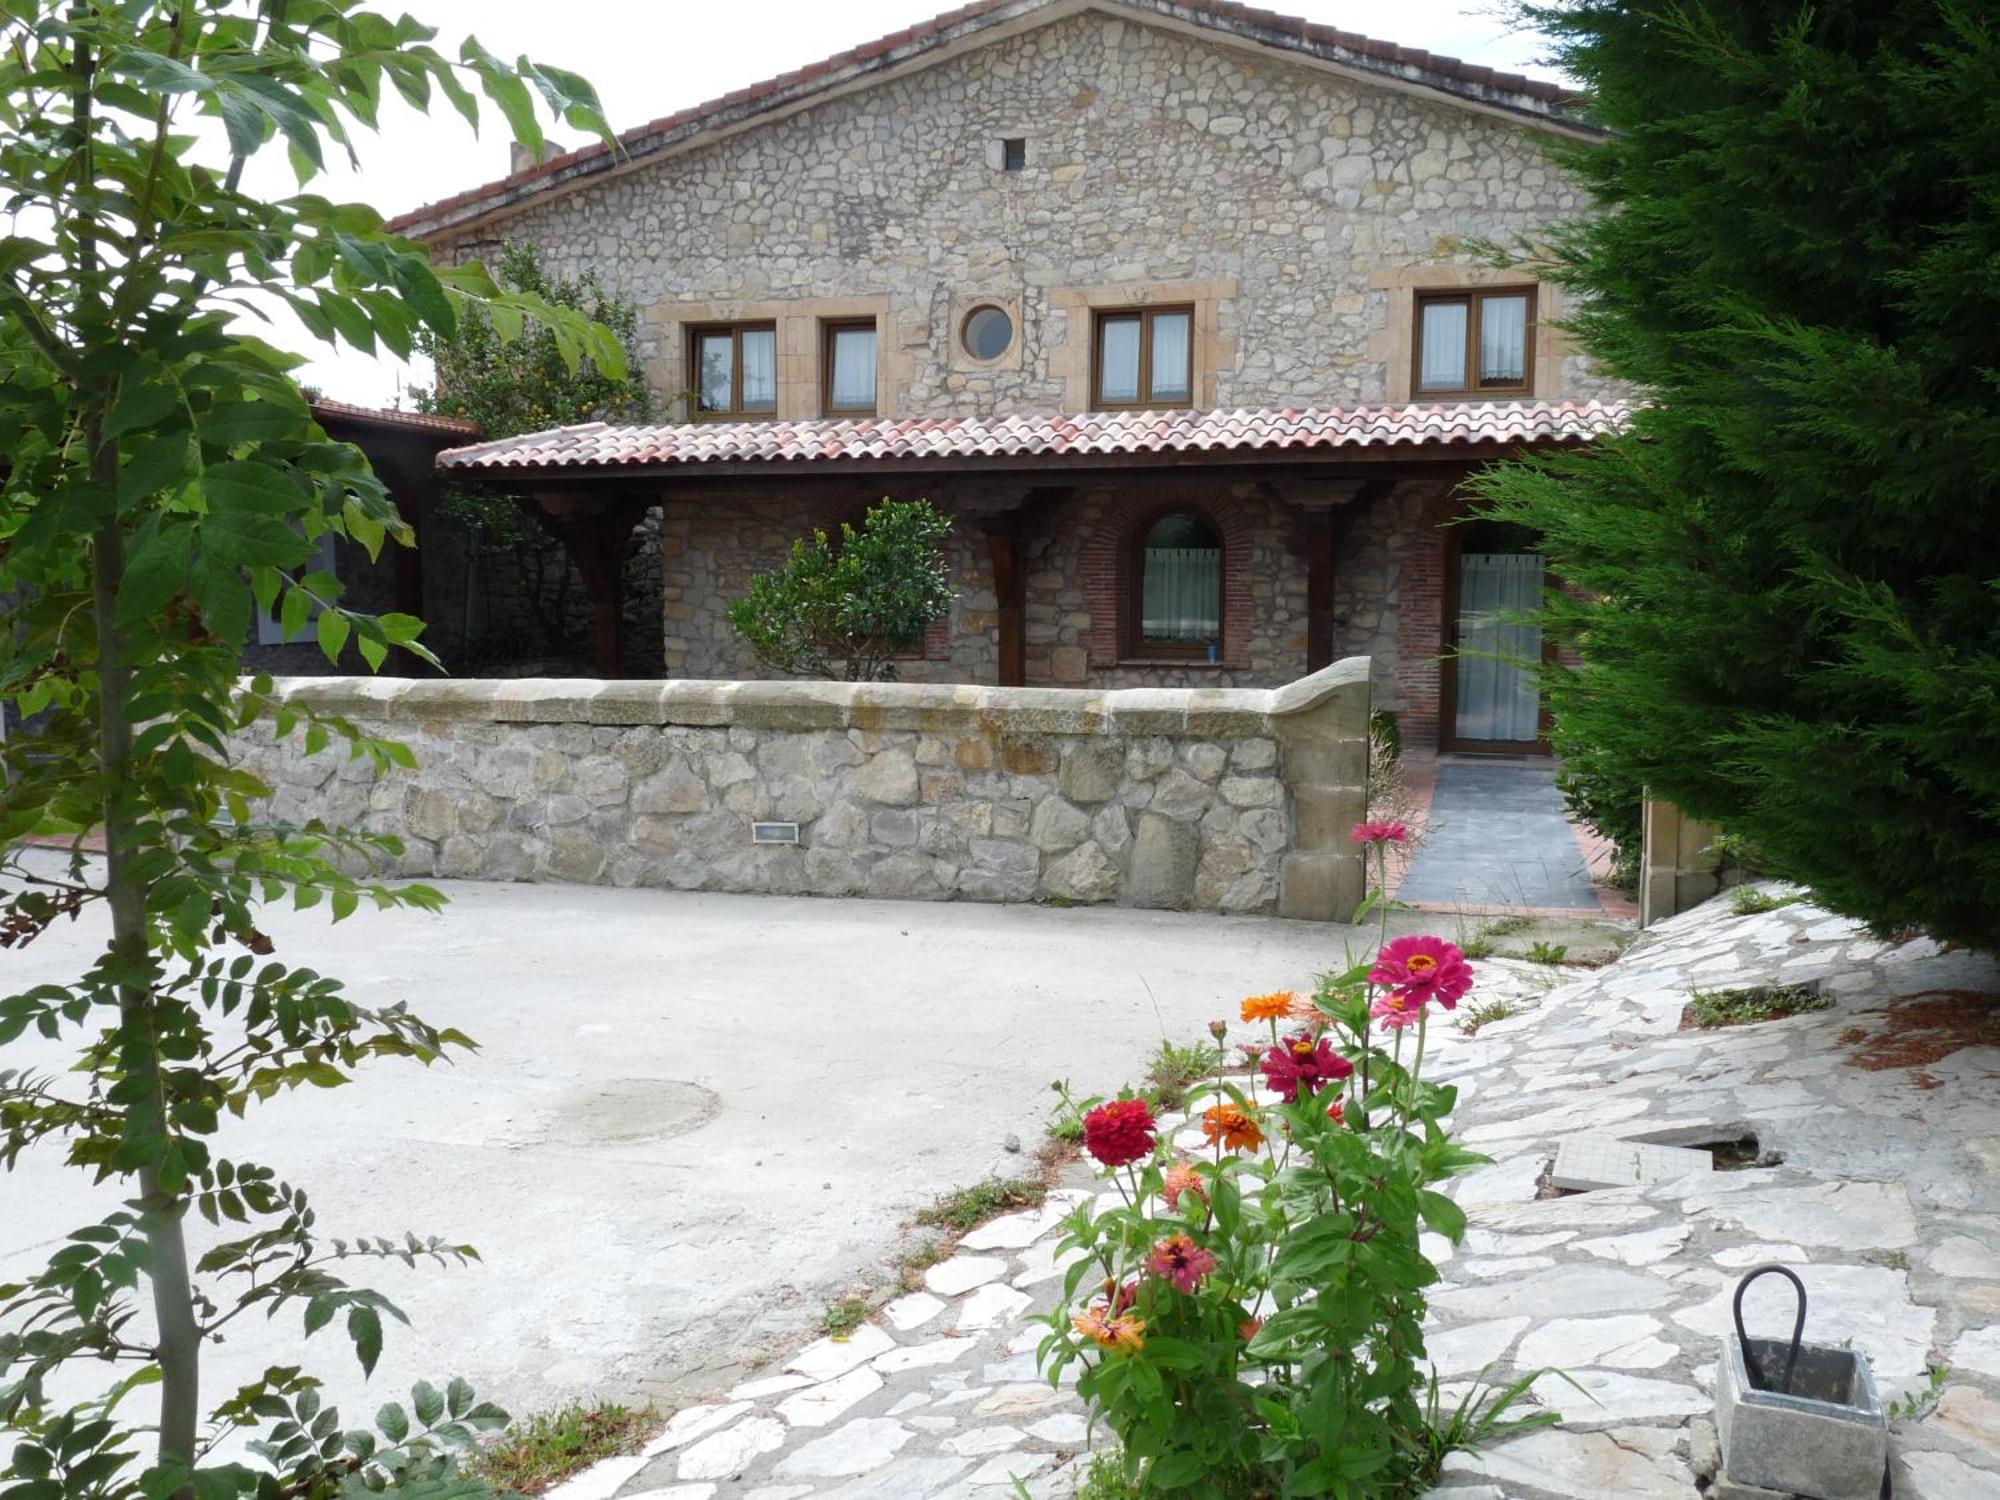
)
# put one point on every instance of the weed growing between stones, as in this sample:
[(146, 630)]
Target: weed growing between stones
[(1248, 1316), (969, 1207), (1708, 1009), (1475, 1016), (1175, 1069), (1749, 901), (545, 1449), (843, 1315)]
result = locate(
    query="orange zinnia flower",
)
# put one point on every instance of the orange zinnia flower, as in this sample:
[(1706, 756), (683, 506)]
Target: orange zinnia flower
[(1123, 1332), (1233, 1127), (1182, 1178), (1272, 1007)]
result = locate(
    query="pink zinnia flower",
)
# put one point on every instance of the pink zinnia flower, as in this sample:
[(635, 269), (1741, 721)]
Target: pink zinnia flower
[(1119, 1132), (1394, 1009), (1379, 833), (1303, 1062), (1178, 1259), (1422, 969)]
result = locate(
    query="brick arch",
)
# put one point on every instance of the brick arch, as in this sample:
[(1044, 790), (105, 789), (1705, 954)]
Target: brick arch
[(1103, 566)]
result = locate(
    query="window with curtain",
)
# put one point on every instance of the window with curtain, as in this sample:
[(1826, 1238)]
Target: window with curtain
[(849, 375), (1476, 343), (735, 370), (1177, 588), (1144, 357)]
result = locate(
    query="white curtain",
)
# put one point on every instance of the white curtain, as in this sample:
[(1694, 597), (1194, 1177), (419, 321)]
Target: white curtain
[(1183, 594), (1170, 356), (1118, 359), (760, 369), (853, 369), (1497, 699), (1503, 340), (718, 371), (1443, 360)]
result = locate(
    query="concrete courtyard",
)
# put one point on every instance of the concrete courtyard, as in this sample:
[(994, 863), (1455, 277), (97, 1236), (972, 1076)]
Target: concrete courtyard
[(693, 1118)]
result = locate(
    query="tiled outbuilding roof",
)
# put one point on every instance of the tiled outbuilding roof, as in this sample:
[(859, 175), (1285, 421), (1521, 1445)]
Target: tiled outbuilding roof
[(977, 442), (386, 416), (1515, 93)]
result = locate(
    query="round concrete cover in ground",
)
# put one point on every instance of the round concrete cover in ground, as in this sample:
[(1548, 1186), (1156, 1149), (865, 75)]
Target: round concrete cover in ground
[(628, 1111)]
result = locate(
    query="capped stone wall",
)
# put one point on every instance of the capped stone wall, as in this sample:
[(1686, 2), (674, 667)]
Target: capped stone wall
[(1216, 799)]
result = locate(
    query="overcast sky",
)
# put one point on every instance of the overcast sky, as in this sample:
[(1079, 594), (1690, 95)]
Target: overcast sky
[(649, 58)]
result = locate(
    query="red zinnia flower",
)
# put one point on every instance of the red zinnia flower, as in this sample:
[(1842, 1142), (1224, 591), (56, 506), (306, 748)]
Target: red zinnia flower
[(1379, 833), (1336, 1114), (1119, 1132), (1304, 1062), (1178, 1259), (1422, 969)]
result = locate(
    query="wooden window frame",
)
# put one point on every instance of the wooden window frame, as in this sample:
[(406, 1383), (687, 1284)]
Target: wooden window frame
[(1144, 317), (1133, 646), (734, 413), (1473, 299), (829, 328)]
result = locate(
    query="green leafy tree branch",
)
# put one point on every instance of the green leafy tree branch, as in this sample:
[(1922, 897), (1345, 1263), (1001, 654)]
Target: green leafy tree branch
[(163, 479)]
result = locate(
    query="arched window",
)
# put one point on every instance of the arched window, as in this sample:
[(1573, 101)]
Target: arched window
[(1176, 574)]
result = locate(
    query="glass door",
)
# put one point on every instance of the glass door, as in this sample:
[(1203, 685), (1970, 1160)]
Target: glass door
[(1496, 701)]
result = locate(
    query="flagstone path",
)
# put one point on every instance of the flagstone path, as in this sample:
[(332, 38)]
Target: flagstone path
[(1887, 1201)]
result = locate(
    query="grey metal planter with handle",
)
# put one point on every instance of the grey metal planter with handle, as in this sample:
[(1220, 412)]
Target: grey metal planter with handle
[(1799, 1418)]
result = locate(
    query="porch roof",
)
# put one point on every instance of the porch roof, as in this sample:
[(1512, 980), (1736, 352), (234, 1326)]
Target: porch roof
[(1463, 430)]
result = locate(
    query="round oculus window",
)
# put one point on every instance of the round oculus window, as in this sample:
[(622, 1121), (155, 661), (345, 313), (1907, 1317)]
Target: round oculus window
[(987, 333)]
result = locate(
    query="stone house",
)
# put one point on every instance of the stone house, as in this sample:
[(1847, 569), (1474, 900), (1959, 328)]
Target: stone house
[(1175, 306)]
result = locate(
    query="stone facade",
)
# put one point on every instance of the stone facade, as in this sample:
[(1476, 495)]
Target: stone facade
[(1295, 207), (1220, 800)]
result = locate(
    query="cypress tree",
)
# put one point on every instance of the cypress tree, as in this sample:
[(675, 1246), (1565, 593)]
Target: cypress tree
[(1786, 573)]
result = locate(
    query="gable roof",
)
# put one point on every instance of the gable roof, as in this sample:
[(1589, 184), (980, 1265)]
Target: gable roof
[(1528, 99), (1123, 437)]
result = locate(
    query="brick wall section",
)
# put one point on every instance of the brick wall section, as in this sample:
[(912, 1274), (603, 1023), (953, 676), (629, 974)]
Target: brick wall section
[(1420, 636)]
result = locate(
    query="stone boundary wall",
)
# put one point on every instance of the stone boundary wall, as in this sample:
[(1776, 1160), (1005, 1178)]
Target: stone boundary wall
[(1215, 799)]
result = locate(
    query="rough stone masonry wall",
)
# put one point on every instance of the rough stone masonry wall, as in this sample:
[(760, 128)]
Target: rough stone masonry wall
[(1233, 800), (1293, 207)]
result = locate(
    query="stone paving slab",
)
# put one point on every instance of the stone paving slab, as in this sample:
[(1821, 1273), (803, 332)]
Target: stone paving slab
[(1887, 1201)]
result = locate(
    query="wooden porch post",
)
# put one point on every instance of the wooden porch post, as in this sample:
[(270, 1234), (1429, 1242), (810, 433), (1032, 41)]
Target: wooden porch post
[(599, 541), (1003, 548), (1325, 510)]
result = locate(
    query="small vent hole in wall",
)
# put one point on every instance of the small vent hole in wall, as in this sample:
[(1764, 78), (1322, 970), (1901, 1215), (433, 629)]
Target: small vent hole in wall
[(1013, 153)]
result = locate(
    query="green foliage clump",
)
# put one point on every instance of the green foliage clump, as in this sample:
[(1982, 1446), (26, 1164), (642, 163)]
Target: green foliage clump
[(1709, 1009), (1175, 1067), (551, 1446), (967, 1208), (847, 610), (510, 374), (1598, 792), (1785, 574)]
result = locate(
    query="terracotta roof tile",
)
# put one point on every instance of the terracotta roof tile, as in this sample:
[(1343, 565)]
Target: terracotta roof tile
[(1531, 95), (384, 416), (598, 446)]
